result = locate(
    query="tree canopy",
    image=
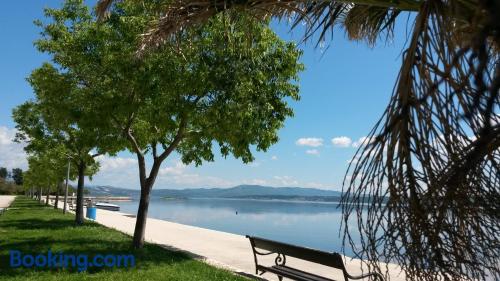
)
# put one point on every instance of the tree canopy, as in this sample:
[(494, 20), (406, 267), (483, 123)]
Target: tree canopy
[(17, 176), (52, 120), (208, 89), (3, 173)]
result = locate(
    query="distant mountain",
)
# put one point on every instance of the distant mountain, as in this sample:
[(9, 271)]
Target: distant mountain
[(244, 191), (240, 191), (112, 191)]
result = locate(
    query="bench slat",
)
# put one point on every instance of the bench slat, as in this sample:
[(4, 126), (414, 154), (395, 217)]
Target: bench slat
[(299, 274), (312, 255)]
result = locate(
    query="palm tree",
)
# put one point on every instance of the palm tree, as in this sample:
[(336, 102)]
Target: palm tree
[(429, 170)]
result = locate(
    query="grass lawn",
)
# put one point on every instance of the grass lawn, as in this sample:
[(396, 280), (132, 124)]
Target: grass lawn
[(35, 229)]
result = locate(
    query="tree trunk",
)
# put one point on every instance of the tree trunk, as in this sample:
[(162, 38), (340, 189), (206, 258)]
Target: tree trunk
[(142, 215), (40, 195), (148, 182), (47, 196), (79, 194), (58, 189), (146, 186)]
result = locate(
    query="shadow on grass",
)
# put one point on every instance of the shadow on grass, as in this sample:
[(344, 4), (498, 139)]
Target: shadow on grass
[(34, 229), (145, 258), (41, 224)]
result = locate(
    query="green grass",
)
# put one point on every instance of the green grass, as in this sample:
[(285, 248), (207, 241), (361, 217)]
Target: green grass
[(35, 229)]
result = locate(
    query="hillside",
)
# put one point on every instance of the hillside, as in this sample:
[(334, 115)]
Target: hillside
[(241, 191)]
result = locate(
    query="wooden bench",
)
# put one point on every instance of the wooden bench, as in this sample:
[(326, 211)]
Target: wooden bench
[(283, 250)]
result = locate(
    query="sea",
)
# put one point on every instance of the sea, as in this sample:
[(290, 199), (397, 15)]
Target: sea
[(310, 224)]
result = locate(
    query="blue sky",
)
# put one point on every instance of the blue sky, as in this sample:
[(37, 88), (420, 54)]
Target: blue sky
[(344, 90)]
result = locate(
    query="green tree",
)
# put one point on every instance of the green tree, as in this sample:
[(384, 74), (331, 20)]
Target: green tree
[(3, 173), (63, 117), (17, 176), (36, 177), (30, 182), (50, 122), (207, 90), (47, 170)]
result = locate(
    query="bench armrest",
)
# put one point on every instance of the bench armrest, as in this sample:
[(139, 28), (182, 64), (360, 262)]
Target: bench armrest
[(377, 276)]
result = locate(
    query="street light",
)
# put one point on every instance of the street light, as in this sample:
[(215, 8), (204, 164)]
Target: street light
[(66, 189)]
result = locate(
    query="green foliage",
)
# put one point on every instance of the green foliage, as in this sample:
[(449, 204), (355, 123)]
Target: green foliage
[(17, 176), (10, 188), (207, 85), (3, 173), (208, 88), (48, 168), (49, 141)]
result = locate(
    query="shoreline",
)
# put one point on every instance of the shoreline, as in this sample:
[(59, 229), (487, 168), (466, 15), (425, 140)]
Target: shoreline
[(222, 249), (337, 203)]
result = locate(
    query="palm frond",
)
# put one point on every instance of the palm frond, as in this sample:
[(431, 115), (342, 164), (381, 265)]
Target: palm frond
[(102, 7), (435, 155), (320, 16)]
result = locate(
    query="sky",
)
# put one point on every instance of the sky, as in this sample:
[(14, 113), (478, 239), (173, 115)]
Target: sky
[(344, 90)]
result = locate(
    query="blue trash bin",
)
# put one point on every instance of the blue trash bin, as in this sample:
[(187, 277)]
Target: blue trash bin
[(91, 213)]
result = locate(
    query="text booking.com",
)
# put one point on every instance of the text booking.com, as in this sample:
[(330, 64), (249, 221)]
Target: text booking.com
[(81, 262)]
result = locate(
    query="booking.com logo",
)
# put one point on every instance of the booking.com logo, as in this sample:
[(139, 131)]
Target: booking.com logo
[(61, 260)]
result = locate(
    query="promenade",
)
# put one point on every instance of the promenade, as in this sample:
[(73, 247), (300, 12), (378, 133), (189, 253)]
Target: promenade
[(6, 200)]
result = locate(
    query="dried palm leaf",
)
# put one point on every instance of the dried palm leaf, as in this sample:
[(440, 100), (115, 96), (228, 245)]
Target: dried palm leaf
[(434, 156), (319, 16)]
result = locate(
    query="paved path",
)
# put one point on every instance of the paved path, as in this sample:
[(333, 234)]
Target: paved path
[(6, 200), (219, 248)]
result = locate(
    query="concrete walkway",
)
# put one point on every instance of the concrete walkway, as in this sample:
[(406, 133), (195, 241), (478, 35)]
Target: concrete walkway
[(222, 249), (6, 200)]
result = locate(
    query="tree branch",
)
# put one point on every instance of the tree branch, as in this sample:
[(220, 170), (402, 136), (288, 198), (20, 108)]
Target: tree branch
[(177, 139), (168, 149), (153, 146), (135, 145)]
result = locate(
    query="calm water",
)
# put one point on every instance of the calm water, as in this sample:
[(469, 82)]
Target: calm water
[(314, 225)]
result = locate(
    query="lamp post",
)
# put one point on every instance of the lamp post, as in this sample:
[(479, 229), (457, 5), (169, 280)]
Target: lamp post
[(66, 189)]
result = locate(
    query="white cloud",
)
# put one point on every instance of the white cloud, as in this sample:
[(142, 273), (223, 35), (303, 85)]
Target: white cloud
[(256, 182), (123, 172), (12, 154), (312, 151), (274, 157), (254, 164), (108, 164), (342, 141), (317, 185), (179, 175), (354, 160), (312, 142), (117, 171), (285, 181), (362, 141), (177, 169)]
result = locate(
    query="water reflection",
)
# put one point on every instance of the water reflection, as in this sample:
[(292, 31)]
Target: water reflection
[(307, 224)]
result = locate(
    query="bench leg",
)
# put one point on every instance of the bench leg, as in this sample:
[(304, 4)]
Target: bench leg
[(280, 278)]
